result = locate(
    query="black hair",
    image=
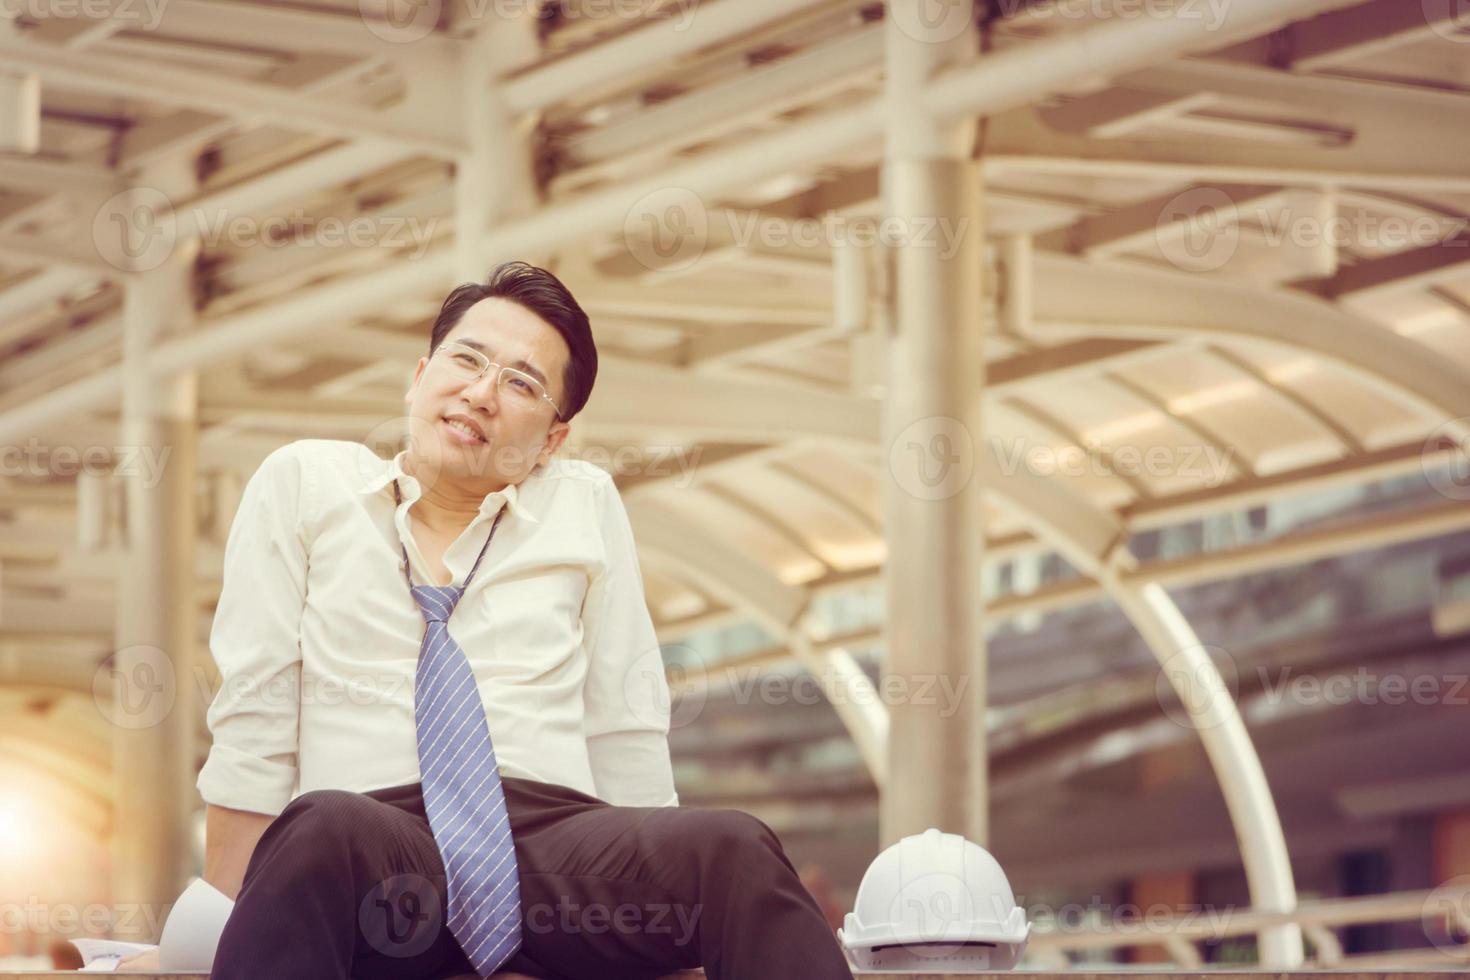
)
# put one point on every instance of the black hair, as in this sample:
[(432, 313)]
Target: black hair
[(546, 296)]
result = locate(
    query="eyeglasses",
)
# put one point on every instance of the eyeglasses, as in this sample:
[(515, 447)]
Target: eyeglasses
[(516, 388)]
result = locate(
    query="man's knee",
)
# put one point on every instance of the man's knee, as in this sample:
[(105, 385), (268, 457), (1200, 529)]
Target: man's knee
[(732, 835), (328, 807), (321, 835), (344, 845), (324, 817)]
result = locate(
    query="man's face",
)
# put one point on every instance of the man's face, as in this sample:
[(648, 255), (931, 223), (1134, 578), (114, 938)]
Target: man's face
[(509, 439)]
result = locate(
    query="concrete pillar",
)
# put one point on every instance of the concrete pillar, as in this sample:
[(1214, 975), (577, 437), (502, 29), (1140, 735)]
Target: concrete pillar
[(932, 432), (1016, 307), (494, 180), (155, 699)]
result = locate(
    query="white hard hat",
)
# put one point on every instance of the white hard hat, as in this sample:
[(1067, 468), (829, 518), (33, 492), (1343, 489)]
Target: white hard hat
[(935, 903)]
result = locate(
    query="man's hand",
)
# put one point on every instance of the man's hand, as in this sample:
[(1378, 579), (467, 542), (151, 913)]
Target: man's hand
[(142, 963)]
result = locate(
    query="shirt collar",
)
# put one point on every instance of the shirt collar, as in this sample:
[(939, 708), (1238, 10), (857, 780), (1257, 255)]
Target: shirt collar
[(393, 469)]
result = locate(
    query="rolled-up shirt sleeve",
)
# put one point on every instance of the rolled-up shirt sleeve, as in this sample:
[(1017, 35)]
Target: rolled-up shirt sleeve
[(626, 695), (255, 641)]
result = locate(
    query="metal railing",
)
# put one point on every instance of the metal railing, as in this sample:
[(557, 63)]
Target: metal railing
[(1444, 913)]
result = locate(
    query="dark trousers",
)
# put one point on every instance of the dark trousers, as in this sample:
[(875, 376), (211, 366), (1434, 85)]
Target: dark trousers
[(351, 885)]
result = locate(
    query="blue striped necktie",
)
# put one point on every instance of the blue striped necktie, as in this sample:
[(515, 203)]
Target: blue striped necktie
[(461, 784)]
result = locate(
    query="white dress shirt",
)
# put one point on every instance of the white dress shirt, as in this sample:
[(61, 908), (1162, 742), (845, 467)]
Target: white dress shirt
[(316, 635)]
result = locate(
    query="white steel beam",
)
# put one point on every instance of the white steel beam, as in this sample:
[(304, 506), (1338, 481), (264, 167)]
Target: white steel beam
[(51, 176), (728, 105), (1412, 269), (1139, 226), (90, 71), (188, 130), (971, 91), (658, 43), (42, 287), (299, 27), (736, 579), (28, 249), (1091, 540), (721, 409), (1342, 35), (1118, 45), (1118, 111), (1129, 302), (1382, 120)]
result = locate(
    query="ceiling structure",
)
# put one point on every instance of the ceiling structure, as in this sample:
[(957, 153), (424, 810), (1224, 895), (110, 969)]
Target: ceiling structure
[(1251, 261)]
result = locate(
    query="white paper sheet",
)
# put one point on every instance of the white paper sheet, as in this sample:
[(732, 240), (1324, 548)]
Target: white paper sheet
[(103, 955), (192, 931), (189, 939)]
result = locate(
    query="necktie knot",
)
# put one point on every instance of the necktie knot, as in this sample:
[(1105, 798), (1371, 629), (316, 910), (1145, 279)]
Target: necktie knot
[(437, 602)]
